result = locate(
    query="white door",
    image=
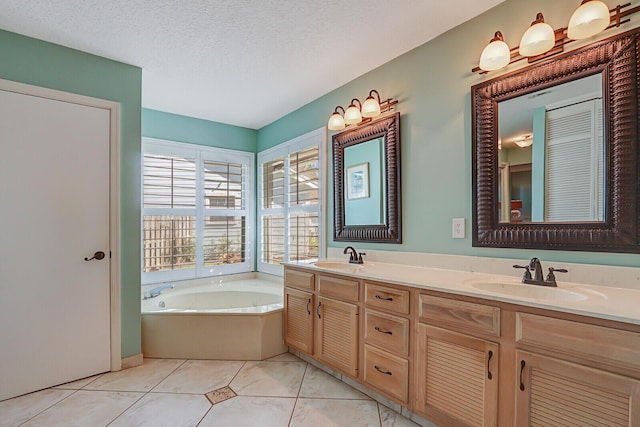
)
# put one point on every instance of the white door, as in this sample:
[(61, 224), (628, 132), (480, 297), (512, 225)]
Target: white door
[(54, 212)]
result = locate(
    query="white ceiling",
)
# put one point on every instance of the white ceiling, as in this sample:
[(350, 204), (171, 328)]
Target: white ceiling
[(241, 62)]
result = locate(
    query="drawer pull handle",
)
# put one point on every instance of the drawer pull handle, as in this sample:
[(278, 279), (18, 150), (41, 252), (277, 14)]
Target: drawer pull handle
[(383, 298), (489, 375), (318, 309), (522, 365), (308, 304), (381, 371), (377, 328)]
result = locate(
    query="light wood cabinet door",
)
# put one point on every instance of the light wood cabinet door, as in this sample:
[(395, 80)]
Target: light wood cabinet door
[(457, 378), (337, 335), (554, 393), (298, 319)]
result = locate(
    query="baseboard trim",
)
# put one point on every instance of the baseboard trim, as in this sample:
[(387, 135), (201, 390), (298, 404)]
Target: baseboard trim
[(132, 361)]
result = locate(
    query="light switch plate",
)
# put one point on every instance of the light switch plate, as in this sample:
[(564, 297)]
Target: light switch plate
[(458, 228)]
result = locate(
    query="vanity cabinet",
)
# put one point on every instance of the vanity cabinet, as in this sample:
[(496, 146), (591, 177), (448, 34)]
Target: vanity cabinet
[(467, 361), (387, 340), (573, 373), (337, 335), (321, 316), (457, 372), (554, 393), (298, 319)]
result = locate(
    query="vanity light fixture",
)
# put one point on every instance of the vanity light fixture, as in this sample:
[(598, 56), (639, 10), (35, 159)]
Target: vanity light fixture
[(353, 116), (540, 40), (358, 112), (496, 54), (524, 141), (588, 20), (336, 121)]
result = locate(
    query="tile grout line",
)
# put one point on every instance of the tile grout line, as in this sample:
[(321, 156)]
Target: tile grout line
[(244, 362), (293, 410), (143, 392)]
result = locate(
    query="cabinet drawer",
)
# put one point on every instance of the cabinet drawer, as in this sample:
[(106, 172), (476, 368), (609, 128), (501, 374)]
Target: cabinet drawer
[(387, 298), (340, 288), (387, 373), (460, 314), (388, 332), (299, 279), (605, 345)]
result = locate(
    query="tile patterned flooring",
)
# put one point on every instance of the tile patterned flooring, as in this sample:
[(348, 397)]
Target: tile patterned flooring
[(279, 392)]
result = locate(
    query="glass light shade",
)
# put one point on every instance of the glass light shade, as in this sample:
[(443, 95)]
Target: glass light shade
[(495, 55), (336, 122), (352, 116), (588, 20), (524, 141), (371, 107), (538, 39)]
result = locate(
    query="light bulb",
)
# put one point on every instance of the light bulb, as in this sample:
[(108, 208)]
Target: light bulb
[(496, 54), (371, 107), (538, 39), (352, 116), (588, 20), (336, 122)]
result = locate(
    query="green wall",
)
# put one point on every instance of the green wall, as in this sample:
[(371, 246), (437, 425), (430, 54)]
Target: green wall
[(35, 62), (174, 127), (432, 84)]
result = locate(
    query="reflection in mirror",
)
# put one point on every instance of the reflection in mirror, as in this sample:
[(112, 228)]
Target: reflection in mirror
[(365, 189), (366, 182), (551, 154)]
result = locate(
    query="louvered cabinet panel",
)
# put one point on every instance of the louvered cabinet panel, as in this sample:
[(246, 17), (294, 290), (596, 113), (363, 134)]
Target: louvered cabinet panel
[(337, 335), (457, 378), (298, 319), (554, 393)]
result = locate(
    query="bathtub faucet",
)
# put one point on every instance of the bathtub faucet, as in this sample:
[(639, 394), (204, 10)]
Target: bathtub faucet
[(156, 291)]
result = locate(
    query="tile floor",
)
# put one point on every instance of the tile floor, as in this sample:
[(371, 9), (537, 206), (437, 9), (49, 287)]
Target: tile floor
[(279, 392)]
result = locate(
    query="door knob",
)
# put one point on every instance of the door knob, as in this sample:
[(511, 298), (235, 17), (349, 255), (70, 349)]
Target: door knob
[(98, 255)]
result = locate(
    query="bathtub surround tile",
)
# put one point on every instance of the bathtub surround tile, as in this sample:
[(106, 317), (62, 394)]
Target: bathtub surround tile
[(245, 411), (278, 379), (86, 408), (335, 413), (199, 376), (16, 411), (164, 409), (220, 395), (317, 383), (141, 378)]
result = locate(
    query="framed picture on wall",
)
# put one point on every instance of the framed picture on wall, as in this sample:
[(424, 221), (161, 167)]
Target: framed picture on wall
[(358, 181)]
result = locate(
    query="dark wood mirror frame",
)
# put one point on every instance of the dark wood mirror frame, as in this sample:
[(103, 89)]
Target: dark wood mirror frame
[(617, 58), (389, 232)]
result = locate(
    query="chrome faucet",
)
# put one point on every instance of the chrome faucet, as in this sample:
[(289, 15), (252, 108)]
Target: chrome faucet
[(156, 291), (537, 279), (354, 257)]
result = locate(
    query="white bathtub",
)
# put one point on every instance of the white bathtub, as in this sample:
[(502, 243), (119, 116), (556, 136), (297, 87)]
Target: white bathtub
[(236, 317)]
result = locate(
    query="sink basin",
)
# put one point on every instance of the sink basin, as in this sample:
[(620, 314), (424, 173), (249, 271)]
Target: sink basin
[(530, 291), (334, 265)]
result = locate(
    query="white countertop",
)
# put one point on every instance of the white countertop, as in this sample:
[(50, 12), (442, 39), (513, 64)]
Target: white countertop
[(622, 305)]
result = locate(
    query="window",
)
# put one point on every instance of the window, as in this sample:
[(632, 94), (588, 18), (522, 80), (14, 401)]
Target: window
[(197, 211), (291, 193)]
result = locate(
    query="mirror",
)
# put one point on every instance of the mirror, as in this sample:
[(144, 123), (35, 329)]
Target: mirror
[(366, 182), (555, 152), (551, 154)]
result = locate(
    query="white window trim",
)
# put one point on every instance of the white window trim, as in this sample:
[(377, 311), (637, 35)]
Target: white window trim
[(318, 138), (202, 153)]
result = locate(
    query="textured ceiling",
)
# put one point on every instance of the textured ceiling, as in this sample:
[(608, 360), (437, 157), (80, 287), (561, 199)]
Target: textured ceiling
[(242, 62)]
